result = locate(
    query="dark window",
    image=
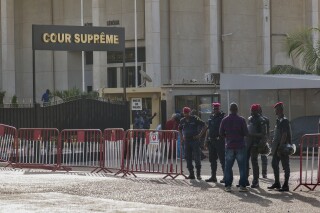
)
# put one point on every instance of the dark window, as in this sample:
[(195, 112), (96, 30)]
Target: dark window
[(89, 57), (89, 88), (200, 104), (112, 77), (131, 77), (116, 57)]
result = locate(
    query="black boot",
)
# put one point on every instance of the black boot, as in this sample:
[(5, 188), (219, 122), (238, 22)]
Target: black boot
[(276, 185), (199, 174), (212, 179), (255, 184), (191, 175), (285, 187)]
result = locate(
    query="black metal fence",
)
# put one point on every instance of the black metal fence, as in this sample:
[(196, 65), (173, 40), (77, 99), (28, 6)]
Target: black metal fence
[(81, 113)]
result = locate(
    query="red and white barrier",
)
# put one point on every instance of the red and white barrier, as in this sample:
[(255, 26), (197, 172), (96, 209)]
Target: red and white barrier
[(113, 149), (150, 151), (309, 161), (8, 135), (80, 148), (37, 148)]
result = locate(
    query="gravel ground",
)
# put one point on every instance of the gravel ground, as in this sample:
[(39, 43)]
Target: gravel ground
[(38, 191)]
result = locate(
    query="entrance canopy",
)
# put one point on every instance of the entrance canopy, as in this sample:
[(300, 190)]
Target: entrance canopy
[(254, 82)]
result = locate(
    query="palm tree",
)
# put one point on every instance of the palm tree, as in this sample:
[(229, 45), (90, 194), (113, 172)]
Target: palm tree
[(301, 45)]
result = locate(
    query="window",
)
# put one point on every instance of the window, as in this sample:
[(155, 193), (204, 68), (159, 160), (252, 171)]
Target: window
[(131, 77), (89, 58), (199, 104), (112, 77), (116, 57)]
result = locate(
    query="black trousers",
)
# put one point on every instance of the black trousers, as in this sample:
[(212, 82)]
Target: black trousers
[(285, 165), (216, 151)]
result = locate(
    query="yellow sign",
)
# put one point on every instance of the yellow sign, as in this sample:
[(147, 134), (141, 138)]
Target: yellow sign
[(67, 38)]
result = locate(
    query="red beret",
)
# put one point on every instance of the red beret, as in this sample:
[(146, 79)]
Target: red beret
[(278, 104), (186, 110), (254, 107), (215, 105)]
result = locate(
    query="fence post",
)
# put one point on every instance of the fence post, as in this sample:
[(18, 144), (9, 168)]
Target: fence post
[(163, 113), (37, 116)]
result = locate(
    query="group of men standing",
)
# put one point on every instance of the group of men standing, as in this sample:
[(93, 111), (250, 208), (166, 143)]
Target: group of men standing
[(231, 138)]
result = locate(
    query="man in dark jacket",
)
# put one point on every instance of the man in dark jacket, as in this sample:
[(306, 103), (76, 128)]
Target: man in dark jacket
[(215, 143), (257, 133), (189, 130), (282, 136)]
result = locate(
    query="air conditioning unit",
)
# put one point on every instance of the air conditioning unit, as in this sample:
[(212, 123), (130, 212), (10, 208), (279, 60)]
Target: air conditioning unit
[(212, 78)]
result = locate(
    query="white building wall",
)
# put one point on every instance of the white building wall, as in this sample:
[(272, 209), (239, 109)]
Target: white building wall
[(7, 73), (187, 40), (239, 36), (192, 32), (286, 16)]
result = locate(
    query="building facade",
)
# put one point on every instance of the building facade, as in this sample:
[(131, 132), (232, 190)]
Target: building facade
[(182, 46)]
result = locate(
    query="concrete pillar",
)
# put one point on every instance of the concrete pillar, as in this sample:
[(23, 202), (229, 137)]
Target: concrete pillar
[(315, 20), (265, 36), (152, 29), (99, 58), (7, 48), (212, 36)]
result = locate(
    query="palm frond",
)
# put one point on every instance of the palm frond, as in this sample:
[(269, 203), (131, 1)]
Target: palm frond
[(300, 44), (287, 69)]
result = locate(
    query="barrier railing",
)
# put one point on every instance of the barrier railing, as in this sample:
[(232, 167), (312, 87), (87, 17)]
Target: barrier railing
[(8, 136), (309, 161), (37, 148), (130, 152), (149, 151), (80, 148), (112, 150)]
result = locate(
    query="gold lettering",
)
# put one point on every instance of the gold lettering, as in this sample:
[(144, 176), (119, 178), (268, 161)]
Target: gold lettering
[(76, 38), (90, 38), (96, 38), (116, 39), (102, 38), (67, 38), (109, 39), (61, 38), (53, 37), (84, 38), (45, 37)]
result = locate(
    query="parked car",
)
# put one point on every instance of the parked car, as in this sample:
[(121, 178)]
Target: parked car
[(303, 125)]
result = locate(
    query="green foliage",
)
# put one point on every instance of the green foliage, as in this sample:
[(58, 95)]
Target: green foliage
[(68, 94), (300, 45), (14, 101), (287, 69), (74, 93), (2, 94)]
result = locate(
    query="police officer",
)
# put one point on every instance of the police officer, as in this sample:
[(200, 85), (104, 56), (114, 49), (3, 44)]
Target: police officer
[(282, 136), (257, 132), (215, 143), (189, 130), (264, 158)]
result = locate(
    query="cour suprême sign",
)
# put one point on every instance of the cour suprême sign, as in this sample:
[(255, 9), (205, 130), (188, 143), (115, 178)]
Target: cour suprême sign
[(77, 38)]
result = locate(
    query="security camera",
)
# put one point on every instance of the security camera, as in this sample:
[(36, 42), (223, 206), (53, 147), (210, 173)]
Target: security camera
[(193, 80)]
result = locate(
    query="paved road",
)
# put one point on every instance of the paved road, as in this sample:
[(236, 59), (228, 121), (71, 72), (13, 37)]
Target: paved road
[(81, 191), (40, 191), (294, 166)]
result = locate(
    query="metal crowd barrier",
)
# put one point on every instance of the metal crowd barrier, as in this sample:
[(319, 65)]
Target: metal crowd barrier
[(112, 150), (310, 162), (80, 148), (150, 151), (8, 135), (37, 148)]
